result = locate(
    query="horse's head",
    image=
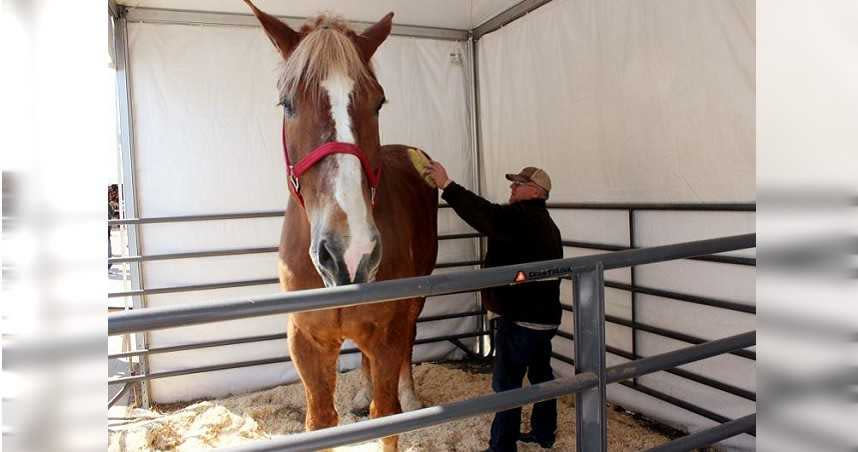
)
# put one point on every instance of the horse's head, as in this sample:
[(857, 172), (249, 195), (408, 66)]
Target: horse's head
[(330, 94)]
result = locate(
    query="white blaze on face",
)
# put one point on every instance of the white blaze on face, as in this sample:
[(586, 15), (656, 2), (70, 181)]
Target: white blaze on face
[(347, 189)]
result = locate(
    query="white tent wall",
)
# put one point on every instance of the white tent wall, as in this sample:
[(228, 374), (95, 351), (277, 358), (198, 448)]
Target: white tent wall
[(634, 102), (207, 140)]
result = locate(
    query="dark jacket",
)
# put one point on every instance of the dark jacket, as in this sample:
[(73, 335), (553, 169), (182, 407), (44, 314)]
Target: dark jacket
[(517, 233)]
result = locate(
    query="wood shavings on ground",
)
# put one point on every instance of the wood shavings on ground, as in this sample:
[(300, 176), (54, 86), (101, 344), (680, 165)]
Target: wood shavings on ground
[(280, 411)]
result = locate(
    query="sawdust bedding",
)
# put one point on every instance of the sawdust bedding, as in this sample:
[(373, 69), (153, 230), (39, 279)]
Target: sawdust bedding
[(280, 411)]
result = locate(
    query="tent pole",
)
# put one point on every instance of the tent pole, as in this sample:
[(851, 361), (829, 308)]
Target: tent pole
[(507, 16), (168, 16), (129, 189), (476, 159)]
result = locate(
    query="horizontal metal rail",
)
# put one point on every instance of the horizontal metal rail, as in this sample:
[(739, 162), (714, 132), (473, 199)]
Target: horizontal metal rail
[(193, 287), (423, 286), (263, 338), (262, 362), (663, 332), (679, 357), (702, 412), (209, 217), (428, 417), (747, 424), (237, 251), (192, 254), (196, 370), (706, 301), (465, 235), (706, 381), (433, 318), (458, 264), (674, 335), (470, 353), (245, 283), (703, 207), (736, 260), (199, 345), (733, 306), (419, 419), (713, 207), (715, 384), (594, 246)]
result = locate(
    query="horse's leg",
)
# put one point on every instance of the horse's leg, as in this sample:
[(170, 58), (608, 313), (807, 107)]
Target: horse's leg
[(385, 351), (316, 362), (408, 399), (385, 374), (360, 404)]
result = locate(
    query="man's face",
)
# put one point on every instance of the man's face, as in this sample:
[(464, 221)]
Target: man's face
[(522, 191)]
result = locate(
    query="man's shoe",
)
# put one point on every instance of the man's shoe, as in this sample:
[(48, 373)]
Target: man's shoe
[(529, 438)]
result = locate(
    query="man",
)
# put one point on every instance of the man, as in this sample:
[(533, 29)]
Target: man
[(521, 231)]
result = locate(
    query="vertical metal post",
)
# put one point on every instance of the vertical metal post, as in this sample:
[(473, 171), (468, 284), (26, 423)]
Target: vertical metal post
[(589, 310), (129, 189), (474, 91), (633, 292), (475, 113)]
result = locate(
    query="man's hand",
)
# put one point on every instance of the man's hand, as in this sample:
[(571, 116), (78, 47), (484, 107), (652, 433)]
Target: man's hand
[(438, 174)]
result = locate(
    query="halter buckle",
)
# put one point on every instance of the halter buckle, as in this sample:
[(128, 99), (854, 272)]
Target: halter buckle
[(293, 179)]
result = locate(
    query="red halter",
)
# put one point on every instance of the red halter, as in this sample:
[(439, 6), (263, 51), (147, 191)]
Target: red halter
[(332, 147)]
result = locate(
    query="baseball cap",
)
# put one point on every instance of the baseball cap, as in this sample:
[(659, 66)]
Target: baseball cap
[(531, 174)]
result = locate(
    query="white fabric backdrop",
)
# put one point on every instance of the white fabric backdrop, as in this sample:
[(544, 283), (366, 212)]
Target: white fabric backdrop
[(631, 100), (207, 141), (637, 101)]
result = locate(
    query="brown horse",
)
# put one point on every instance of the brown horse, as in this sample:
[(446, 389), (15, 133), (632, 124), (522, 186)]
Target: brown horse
[(341, 213)]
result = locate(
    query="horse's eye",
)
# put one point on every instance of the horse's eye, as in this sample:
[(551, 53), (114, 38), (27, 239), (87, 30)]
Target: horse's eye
[(287, 107), (380, 104)]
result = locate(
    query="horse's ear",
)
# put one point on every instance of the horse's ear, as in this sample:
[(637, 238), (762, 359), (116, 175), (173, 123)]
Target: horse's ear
[(373, 36), (283, 37)]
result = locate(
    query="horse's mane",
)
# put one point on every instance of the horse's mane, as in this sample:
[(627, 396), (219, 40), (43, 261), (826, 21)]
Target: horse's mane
[(327, 47)]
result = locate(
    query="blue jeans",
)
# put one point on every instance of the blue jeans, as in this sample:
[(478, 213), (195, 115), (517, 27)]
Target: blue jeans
[(520, 351)]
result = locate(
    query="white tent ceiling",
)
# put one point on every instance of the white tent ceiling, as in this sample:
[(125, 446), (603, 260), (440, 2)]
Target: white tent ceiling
[(458, 14)]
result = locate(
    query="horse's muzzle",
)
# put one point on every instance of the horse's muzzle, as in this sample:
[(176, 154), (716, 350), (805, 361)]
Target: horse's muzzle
[(329, 257)]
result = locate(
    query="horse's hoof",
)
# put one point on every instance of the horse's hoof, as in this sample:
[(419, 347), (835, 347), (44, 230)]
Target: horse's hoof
[(361, 402), (361, 412)]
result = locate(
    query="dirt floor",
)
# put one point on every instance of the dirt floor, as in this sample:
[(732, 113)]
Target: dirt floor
[(280, 411)]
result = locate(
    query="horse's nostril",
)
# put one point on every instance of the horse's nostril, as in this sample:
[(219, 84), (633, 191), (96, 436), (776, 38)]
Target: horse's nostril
[(369, 262), (326, 258)]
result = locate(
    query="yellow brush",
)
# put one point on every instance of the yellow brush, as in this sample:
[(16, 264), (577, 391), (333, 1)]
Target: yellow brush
[(421, 163)]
